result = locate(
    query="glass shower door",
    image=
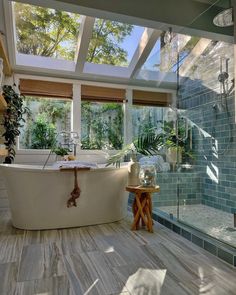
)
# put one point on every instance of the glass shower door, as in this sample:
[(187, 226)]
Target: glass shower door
[(206, 179)]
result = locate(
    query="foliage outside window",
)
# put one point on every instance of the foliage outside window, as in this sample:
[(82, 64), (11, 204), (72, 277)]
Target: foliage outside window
[(47, 117), (54, 33), (101, 125), (106, 43), (145, 118)]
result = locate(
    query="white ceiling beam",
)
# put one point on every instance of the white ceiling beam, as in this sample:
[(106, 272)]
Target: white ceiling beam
[(10, 31), (85, 34), (157, 76), (44, 62), (106, 70), (178, 44), (157, 15), (147, 41), (190, 60), (167, 76)]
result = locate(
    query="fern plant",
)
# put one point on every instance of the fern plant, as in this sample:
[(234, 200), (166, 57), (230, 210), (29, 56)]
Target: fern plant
[(147, 144)]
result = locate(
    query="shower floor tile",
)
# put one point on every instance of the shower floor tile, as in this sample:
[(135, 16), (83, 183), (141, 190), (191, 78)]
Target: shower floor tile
[(211, 221)]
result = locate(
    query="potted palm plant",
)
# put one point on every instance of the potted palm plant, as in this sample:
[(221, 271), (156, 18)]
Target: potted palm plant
[(146, 144)]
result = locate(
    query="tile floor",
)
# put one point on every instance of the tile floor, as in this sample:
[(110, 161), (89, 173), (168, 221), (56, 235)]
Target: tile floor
[(216, 223), (107, 259)]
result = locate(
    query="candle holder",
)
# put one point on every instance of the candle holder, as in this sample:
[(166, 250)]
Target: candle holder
[(147, 176)]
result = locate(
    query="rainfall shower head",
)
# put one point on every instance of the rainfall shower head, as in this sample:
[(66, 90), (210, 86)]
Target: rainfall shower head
[(223, 77), (224, 18)]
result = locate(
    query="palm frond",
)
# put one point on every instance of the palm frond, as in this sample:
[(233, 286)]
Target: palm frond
[(117, 158), (147, 144)]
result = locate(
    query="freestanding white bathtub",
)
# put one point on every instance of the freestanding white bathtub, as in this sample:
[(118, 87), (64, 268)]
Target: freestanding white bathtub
[(38, 197)]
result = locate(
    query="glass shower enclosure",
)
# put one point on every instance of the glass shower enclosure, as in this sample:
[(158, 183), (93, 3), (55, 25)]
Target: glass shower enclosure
[(199, 188)]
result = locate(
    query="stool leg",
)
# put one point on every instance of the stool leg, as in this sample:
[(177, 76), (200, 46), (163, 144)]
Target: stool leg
[(140, 212), (149, 213), (135, 211), (143, 197)]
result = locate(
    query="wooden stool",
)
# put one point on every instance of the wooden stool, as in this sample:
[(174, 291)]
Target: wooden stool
[(142, 205)]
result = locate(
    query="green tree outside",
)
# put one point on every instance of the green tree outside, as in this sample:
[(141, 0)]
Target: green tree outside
[(51, 33)]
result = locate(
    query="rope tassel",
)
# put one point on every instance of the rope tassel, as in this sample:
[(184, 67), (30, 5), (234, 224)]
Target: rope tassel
[(75, 193)]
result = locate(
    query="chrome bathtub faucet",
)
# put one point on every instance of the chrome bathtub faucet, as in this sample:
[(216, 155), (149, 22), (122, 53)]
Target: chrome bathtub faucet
[(73, 137)]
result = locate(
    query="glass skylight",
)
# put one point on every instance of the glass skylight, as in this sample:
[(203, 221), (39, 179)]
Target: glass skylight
[(113, 43), (46, 32), (164, 56)]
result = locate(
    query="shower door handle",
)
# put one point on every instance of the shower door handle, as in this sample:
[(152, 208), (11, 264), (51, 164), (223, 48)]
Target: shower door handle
[(185, 136)]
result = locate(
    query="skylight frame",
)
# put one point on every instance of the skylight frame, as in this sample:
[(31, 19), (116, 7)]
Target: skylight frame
[(78, 68), (106, 28), (68, 45)]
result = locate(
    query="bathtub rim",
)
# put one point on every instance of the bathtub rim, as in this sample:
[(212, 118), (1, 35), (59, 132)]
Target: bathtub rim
[(50, 169)]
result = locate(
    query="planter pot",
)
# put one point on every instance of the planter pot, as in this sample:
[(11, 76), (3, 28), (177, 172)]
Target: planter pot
[(174, 155)]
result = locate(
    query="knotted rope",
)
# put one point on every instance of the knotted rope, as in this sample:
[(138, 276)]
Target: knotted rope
[(75, 193)]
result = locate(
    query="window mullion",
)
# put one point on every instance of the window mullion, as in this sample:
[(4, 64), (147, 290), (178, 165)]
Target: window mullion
[(128, 117), (76, 111)]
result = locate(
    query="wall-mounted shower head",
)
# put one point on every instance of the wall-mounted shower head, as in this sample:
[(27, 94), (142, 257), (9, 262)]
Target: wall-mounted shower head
[(223, 77)]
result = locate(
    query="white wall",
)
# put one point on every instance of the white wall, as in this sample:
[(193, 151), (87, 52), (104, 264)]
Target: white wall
[(2, 25)]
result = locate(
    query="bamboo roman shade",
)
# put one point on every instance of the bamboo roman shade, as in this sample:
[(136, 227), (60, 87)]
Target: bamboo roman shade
[(102, 94), (46, 88), (147, 98)]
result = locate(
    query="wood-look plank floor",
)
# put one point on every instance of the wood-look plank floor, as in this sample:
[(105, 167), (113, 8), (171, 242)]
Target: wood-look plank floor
[(107, 259)]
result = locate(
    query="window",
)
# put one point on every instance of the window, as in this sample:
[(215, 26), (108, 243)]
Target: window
[(164, 57), (113, 43), (102, 125), (46, 119), (45, 31), (148, 110)]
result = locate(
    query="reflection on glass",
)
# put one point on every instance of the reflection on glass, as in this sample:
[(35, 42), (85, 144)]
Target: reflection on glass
[(113, 43), (101, 125), (164, 55), (145, 118), (147, 175), (47, 118), (45, 31)]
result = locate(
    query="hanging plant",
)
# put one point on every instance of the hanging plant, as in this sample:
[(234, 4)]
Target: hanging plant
[(13, 118)]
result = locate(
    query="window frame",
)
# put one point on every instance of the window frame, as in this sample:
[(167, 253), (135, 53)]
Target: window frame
[(76, 110)]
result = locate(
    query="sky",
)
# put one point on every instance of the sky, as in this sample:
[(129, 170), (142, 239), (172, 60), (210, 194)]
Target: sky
[(131, 42)]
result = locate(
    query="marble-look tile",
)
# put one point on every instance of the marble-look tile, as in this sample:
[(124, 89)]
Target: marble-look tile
[(8, 273), (10, 247), (33, 237), (144, 279), (6, 224), (87, 242), (210, 220), (50, 236), (53, 262), (53, 286), (108, 259), (77, 240), (82, 280), (111, 282), (31, 265), (107, 247), (177, 270)]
